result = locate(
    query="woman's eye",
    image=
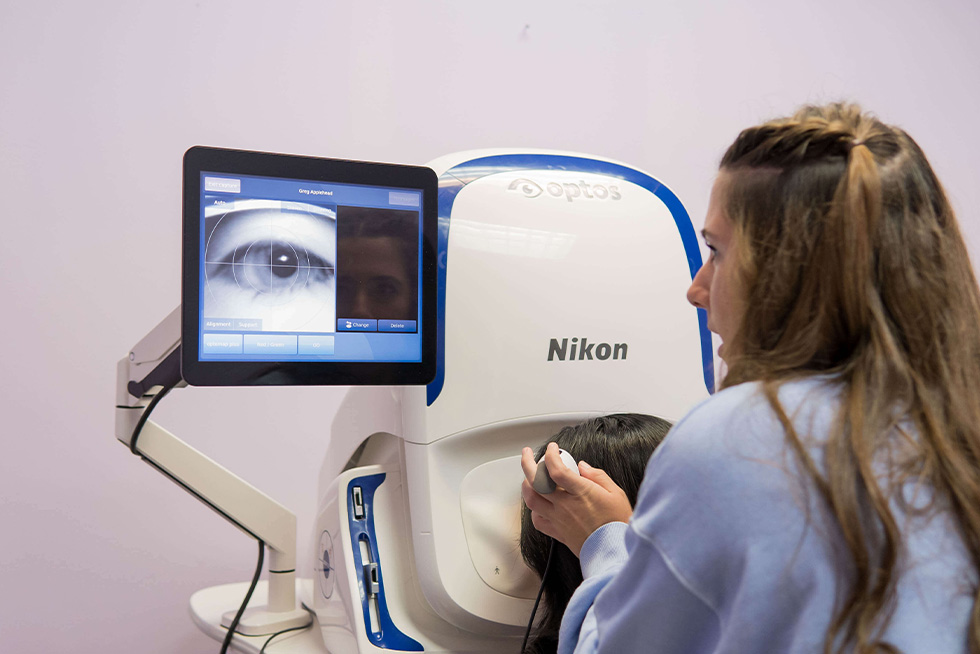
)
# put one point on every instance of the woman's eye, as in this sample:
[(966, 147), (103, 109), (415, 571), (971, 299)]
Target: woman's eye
[(272, 264), (384, 289)]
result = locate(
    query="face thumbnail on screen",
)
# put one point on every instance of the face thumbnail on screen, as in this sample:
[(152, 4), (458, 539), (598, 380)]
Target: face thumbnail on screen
[(378, 260)]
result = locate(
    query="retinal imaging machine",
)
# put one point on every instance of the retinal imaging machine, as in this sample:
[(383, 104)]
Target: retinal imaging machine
[(474, 306)]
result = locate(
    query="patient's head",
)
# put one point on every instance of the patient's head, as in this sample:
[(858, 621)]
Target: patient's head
[(620, 444)]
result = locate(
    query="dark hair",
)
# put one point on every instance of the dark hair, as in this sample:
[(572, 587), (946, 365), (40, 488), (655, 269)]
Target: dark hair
[(620, 444), (851, 263)]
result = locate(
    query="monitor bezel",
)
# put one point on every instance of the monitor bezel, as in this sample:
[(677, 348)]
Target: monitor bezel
[(200, 159)]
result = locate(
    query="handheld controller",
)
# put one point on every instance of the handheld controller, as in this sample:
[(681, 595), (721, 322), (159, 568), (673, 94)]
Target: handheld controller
[(543, 483)]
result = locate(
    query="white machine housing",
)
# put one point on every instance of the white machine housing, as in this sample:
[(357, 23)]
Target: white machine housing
[(562, 296)]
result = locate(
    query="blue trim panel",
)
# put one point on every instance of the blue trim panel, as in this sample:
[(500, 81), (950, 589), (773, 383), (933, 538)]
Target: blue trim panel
[(388, 636), (452, 182)]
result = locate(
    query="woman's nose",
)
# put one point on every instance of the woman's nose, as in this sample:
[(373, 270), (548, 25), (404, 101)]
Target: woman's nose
[(698, 293)]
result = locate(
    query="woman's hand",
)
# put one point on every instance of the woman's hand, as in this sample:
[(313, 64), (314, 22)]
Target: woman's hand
[(580, 504)]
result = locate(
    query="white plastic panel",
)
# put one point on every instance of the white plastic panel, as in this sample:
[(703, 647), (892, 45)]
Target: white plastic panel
[(490, 504), (533, 259)]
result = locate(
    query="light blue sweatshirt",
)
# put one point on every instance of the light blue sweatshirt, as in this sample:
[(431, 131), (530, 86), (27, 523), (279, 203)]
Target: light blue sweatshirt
[(731, 549)]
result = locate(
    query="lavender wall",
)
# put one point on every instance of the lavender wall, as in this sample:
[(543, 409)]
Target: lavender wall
[(98, 101)]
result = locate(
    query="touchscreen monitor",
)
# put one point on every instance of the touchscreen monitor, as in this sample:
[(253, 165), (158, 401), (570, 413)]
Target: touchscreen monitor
[(303, 270)]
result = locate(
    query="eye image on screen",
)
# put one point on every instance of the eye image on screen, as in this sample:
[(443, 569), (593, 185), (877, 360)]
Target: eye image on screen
[(378, 254), (270, 265)]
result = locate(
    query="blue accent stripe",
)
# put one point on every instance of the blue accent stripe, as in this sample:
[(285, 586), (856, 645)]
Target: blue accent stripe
[(452, 182), (388, 635)]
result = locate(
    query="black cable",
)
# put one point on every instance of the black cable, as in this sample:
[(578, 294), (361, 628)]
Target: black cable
[(547, 567), (146, 415), (248, 596), (284, 631)]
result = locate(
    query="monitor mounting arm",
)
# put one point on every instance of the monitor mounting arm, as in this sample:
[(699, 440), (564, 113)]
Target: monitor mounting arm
[(153, 363)]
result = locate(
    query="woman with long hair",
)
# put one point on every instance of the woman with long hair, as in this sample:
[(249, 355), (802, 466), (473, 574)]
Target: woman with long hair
[(827, 498)]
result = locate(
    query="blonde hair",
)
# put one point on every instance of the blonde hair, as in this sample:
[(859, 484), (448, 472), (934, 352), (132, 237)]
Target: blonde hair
[(853, 265)]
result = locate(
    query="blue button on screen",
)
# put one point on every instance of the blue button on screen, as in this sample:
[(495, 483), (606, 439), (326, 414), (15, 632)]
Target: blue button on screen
[(357, 325), (396, 326), (270, 344), (222, 344), (316, 345)]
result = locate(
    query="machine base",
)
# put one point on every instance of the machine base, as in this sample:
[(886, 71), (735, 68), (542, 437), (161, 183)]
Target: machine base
[(209, 605)]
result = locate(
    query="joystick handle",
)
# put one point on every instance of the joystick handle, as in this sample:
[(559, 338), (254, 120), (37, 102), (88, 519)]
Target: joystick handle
[(543, 483)]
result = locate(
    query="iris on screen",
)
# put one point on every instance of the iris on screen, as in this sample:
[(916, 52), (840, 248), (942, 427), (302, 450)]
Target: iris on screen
[(271, 261)]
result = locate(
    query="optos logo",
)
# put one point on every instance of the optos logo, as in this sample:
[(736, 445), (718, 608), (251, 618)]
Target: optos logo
[(568, 190)]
